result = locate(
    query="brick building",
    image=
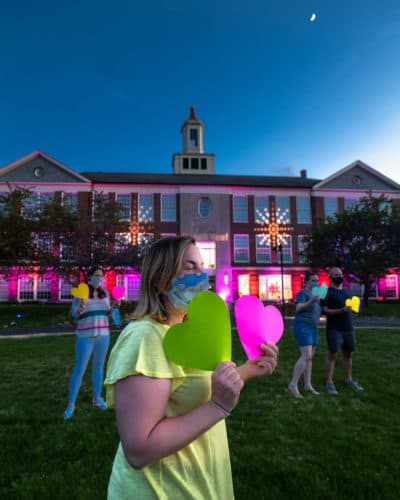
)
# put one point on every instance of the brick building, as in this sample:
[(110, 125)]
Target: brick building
[(238, 220)]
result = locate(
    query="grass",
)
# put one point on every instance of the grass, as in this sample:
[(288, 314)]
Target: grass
[(321, 447), (54, 315), (34, 316), (385, 309)]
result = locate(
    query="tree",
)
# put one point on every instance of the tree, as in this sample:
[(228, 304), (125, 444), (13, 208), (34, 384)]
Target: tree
[(60, 236), (87, 237), (16, 244), (360, 240)]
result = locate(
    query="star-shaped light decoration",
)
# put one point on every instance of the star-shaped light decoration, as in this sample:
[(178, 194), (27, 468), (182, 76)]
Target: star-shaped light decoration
[(273, 226), (142, 223)]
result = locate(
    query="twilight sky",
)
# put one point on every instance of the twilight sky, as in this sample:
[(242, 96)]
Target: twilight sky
[(105, 85)]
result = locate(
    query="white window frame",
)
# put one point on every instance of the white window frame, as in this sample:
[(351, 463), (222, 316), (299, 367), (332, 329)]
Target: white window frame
[(282, 205), (243, 284), (43, 242), (350, 203), (287, 249), (131, 282), (4, 289), (261, 209), (392, 279), (145, 207), (64, 284), (300, 248), (240, 208), (266, 281), (145, 238), (72, 204), (69, 248), (96, 196), (37, 288), (122, 241), (303, 208), (125, 212), (208, 252), (39, 198), (241, 248), (263, 250), (168, 207), (328, 209)]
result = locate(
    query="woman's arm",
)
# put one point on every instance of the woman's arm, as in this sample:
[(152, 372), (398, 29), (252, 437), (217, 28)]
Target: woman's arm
[(77, 308), (147, 434), (263, 365), (333, 312), (301, 306)]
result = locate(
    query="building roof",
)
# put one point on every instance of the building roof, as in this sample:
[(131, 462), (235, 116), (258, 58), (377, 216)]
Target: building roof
[(363, 166), (193, 179)]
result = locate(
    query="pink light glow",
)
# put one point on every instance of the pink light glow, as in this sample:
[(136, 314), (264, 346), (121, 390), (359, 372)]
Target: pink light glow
[(224, 293)]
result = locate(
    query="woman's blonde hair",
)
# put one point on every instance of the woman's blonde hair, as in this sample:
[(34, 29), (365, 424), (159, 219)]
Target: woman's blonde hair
[(160, 265)]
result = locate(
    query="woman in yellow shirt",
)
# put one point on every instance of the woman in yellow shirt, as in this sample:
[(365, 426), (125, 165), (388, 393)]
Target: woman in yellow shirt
[(170, 418)]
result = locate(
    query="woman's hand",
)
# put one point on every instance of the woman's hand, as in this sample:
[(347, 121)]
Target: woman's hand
[(82, 306), (263, 365), (226, 385)]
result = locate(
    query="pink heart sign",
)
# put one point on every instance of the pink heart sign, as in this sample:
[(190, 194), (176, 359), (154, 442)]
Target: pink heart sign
[(257, 324), (118, 292)]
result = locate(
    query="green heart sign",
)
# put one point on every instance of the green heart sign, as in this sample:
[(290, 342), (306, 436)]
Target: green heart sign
[(204, 340)]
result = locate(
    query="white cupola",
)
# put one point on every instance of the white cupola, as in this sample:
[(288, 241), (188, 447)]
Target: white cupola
[(193, 160)]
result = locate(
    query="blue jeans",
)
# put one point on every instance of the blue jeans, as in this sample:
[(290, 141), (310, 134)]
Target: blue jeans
[(85, 346)]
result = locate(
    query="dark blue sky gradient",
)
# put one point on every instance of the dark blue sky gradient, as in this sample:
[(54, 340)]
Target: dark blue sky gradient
[(106, 85)]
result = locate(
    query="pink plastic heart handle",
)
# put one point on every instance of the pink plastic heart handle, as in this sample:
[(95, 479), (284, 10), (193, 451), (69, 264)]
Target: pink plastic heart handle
[(257, 324)]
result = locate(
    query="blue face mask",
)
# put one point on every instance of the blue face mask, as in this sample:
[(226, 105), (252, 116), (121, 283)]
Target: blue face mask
[(185, 287), (95, 281)]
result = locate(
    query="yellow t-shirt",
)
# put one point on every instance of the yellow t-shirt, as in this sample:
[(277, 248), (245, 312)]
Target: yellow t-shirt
[(201, 470)]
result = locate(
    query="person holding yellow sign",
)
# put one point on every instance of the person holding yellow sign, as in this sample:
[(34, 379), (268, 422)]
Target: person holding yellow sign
[(339, 330), (90, 308)]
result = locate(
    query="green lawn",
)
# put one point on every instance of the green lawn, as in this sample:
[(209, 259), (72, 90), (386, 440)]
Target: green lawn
[(34, 315), (54, 315), (321, 447)]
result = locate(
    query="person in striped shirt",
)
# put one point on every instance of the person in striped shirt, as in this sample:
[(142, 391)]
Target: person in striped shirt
[(93, 338)]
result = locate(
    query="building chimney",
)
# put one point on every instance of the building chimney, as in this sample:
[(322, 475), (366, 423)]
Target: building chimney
[(303, 173)]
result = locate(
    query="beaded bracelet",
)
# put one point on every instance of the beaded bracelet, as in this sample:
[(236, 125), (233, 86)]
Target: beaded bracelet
[(220, 407)]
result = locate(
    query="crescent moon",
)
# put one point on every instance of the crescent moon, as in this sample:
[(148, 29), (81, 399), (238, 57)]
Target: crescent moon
[(313, 17)]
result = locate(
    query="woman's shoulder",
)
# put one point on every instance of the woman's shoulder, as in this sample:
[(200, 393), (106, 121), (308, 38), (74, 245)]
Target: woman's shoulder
[(145, 328), (139, 349), (303, 294)]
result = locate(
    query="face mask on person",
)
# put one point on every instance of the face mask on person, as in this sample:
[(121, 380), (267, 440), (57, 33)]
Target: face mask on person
[(338, 280), (185, 287), (95, 281)]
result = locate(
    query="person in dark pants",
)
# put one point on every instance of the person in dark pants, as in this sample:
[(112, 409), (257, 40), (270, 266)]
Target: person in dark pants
[(339, 330)]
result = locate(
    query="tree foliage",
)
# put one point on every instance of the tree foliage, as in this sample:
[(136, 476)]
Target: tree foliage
[(15, 230), (64, 237), (362, 241)]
